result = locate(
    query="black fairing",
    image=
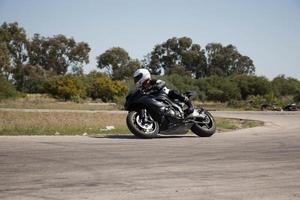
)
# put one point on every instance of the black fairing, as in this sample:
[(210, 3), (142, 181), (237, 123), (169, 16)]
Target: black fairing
[(155, 104), (137, 99)]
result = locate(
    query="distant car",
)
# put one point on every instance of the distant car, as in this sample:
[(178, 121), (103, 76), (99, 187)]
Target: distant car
[(291, 107)]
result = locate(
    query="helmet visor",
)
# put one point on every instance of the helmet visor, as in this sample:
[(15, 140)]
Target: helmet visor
[(138, 77)]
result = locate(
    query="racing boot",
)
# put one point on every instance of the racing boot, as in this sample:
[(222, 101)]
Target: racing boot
[(190, 108)]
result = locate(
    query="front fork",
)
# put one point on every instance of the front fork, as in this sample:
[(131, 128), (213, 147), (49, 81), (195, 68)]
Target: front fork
[(143, 114)]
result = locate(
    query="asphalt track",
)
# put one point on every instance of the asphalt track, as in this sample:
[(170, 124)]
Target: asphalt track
[(257, 163)]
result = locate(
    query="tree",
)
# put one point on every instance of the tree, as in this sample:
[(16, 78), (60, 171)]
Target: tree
[(252, 85), (222, 89), (14, 38), (58, 53), (283, 86), (5, 66), (16, 42), (34, 78), (20, 58), (194, 60), (117, 63), (179, 69), (126, 71), (145, 62), (225, 61), (178, 53)]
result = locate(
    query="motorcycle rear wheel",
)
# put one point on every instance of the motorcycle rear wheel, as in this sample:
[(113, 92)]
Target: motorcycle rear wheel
[(135, 124)]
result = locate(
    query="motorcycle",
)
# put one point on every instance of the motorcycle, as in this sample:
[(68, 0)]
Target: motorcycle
[(150, 114)]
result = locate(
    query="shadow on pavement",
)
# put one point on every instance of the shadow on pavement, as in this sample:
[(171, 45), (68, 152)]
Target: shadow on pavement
[(132, 137)]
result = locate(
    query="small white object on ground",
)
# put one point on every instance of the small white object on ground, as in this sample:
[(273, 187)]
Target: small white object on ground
[(110, 127)]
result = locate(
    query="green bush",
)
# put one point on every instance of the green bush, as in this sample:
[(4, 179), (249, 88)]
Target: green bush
[(7, 90), (182, 83), (238, 104), (102, 87), (271, 99), (94, 85), (252, 85), (256, 90), (215, 95), (297, 98), (283, 86), (256, 101), (35, 79), (235, 88), (68, 87), (222, 89)]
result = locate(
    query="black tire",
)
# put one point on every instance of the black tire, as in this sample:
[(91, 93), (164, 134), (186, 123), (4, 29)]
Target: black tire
[(136, 130), (206, 130)]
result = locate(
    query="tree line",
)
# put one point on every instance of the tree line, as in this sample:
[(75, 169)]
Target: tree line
[(24, 59), (27, 62), (179, 56), (55, 65), (239, 90)]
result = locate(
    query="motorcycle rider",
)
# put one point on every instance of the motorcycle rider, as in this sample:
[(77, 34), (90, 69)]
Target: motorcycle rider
[(143, 81)]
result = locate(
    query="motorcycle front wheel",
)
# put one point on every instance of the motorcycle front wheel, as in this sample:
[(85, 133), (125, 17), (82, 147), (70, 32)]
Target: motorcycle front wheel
[(204, 127), (142, 125)]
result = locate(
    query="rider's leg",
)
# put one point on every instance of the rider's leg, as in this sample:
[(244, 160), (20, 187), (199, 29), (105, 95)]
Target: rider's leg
[(173, 94)]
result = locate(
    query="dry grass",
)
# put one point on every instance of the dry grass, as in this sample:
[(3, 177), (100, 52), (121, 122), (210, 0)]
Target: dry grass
[(44, 101), (229, 124), (208, 105), (15, 123), (38, 101), (74, 123)]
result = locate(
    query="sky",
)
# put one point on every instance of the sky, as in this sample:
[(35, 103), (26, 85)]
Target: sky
[(268, 31)]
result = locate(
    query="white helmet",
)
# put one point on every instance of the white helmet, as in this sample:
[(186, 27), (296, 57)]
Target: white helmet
[(140, 76)]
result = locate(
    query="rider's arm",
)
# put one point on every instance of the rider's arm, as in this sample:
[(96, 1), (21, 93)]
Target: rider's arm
[(173, 94), (160, 85)]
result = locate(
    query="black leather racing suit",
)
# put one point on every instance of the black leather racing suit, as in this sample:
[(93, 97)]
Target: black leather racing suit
[(158, 85)]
